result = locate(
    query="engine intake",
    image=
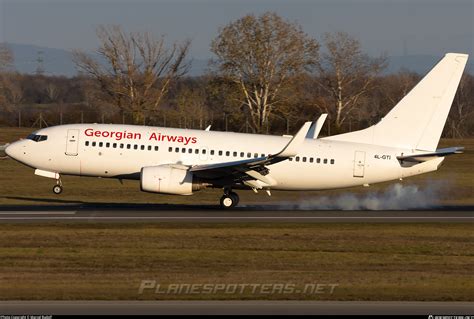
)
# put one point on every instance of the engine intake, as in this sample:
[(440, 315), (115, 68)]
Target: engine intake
[(169, 180)]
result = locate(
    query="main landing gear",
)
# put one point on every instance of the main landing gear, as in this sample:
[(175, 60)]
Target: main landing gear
[(229, 199), (58, 188)]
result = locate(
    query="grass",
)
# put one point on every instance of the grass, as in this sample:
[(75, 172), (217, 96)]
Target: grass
[(108, 262), (19, 186)]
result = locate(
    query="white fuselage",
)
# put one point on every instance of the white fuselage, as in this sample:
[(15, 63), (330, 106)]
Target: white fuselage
[(121, 151)]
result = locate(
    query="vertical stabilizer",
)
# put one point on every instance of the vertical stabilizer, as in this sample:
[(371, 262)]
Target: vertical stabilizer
[(417, 121)]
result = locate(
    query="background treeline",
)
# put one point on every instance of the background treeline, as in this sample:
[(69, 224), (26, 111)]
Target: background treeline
[(267, 76)]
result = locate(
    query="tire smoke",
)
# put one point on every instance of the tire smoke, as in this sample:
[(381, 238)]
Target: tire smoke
[(395, 197)]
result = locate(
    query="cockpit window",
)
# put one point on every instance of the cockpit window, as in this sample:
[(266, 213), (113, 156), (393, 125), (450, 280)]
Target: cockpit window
[(37, 138)]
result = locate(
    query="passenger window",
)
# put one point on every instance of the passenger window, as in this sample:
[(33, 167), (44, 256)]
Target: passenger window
[(114, 145), (142, 147), (196, 151), (156, 148), (107, 144), (149, 147), (325, 161), (128, 146), (170, 149), (255, 155), (318, 160), (87, 143), (291, 159), (249, 155), (220, 153), (212, 152), (304, 159), (227, 153), (121, 145), (235, 154), (101, 144), (241, 154), (297, 158), (332, 161), (93, 144), (135, 147), (204, 151), (176, 149), (190, 150), (310, 159), (183, 150)]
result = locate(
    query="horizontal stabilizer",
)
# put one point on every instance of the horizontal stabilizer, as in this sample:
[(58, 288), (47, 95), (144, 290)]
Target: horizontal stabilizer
[(423, 157)]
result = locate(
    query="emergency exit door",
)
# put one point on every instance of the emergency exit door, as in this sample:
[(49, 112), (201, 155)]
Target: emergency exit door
[(72, 142), (359, 164)]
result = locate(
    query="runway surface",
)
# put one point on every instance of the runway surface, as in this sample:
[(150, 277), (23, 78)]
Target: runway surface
[(234, 307), (213, 215)]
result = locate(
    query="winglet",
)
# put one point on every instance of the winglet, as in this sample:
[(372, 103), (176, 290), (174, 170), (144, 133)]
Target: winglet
[(317, 126), (293, 147)]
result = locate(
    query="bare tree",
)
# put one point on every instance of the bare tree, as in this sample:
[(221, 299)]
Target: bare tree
[(261, 55), (462, 109), (6, 57), (52, 92), (346, 73), (191, 103), (134, 70), (11, 91)]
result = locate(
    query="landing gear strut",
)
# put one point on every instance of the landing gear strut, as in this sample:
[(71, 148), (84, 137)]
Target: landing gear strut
[(58, 188), (229, 199)]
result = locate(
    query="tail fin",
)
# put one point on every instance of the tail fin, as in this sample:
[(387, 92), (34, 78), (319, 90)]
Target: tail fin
[(417, 121)]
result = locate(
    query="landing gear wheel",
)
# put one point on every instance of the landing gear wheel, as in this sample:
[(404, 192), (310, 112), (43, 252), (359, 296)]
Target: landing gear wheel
[(229, 200), (236, 198), (57, 189)]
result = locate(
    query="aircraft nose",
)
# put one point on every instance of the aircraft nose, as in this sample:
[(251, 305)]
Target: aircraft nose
[(3, 150), (13, 150)]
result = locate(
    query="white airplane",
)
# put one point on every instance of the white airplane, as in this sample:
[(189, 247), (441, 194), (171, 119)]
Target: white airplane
[(182, 161)]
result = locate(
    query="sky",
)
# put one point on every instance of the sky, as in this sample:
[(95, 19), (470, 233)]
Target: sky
[(397, 27)]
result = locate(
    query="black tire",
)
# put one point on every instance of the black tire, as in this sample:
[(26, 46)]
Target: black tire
[(227, 201), (236, 198), (57, 189)]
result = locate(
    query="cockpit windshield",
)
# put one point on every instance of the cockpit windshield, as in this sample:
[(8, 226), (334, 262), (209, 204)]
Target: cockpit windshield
[(37, 138)]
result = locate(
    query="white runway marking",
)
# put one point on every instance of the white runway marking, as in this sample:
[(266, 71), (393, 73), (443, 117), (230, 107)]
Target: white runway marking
[(36, 213)]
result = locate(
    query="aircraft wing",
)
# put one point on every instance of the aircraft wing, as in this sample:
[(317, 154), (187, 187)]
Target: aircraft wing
[(423, 157), (252, 168)]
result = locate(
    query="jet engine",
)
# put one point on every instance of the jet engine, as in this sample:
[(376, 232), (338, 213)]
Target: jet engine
[(167, 179)]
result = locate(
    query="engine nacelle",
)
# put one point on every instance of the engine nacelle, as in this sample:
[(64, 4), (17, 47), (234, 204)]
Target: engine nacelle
[(168, 180)]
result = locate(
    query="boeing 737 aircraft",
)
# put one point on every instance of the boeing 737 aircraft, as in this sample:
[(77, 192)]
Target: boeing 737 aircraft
[(183, 161)]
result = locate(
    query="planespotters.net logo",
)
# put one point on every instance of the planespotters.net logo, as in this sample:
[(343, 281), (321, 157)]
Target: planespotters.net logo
[(450, 317), (154, 287)]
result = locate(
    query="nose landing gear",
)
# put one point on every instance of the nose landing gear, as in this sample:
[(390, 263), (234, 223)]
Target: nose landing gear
[(58, 188), (229, 199)]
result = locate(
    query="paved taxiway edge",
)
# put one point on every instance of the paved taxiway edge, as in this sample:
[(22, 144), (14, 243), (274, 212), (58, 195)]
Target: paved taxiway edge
[(234, 307)]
